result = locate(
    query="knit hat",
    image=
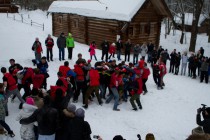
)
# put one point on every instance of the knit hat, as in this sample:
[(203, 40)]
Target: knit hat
[(30, 101), (80, 113), (150, 136), (118, 137), (71, 108)]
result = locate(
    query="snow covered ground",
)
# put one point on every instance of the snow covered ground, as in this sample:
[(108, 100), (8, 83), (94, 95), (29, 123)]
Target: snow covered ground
[(169, 113)]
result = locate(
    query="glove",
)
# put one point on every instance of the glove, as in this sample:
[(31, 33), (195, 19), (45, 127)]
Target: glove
[(199, 110), (89, 61)]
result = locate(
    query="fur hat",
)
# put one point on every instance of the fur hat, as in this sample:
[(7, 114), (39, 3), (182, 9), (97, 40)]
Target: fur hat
[(80, 113), (71, 108), (30, 101)]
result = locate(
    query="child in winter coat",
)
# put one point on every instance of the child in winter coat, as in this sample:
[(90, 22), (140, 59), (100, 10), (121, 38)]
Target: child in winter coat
[(2, 112), (27, 131), (112, 49), (92, 50), (135, 91)]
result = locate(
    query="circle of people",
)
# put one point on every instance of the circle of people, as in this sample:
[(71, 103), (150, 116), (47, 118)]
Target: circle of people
[(56, 117)]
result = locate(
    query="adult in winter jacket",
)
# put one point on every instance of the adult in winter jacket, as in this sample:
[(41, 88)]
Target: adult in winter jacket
[(119, 46), (112, 50), (61, 43), (37, 48), (77, 128), (177, 63), (64, 69), (27, 131), (80, 59), (2, 112), (201, 51), (70, 45), (184, 63), (163, 72), (114, 83), (173, 61), (144, 50), (92, 50), (37, 79), (94, 83), (150, 47), (128, 47), (206, 122), (135, 91), (164, 56), (49, 43), (154, 56), (11, 86), (43, 67), (136, 51), (204, 70), (145, 75), (105, 50), (47, 119)]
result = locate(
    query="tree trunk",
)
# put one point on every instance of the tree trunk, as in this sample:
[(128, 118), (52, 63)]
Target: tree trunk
[(209, 28), (183, 22), (198, 4)]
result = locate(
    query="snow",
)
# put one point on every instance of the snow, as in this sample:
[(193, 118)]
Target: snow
[(169, 114), (123, 10), (189, 19)]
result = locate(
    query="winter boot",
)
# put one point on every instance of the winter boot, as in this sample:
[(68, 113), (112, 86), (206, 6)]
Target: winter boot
[(85, 106), (2, 131), (11, 134), (135, 109)]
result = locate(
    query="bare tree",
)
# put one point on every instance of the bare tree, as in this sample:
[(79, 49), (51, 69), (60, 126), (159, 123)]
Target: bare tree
[(198, 4)]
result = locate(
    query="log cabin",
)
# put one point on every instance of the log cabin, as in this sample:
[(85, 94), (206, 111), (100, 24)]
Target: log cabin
[(137, 20), (6, 6), (203, 23)]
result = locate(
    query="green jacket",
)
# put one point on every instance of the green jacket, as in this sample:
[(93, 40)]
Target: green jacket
[(70, 41)]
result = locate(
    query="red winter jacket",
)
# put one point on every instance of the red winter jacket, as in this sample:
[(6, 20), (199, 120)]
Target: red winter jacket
[(65, 83), (146, 73), (141, 64), (64, 70), (28, 76), (11, 82), (138, 71), (53, 91), (49, 42), (163, 69), (39, 49), (94, 77), (114, 81), (37, 80), (80, 73), (112, 49), (140, 89)]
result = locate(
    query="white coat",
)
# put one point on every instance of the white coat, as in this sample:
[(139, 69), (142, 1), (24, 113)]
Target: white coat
[(26, 131)]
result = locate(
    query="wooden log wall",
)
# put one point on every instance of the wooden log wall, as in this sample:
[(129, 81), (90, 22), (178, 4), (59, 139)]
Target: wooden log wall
[(59, 24), (145, 25), (5, 1), (101, 29), (77, 27)]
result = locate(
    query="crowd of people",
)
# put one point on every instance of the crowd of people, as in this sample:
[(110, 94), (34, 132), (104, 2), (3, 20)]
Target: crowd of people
[(49, 114)]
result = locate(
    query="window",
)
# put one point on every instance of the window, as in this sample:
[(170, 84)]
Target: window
[(60, 19), (152, 28), (130, 31), (75, 23), (142, 28)]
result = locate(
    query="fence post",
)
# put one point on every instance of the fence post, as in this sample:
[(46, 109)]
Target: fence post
[(7, 14), (31, 22), (14, 17), (28, 16), (22, 17), (43, 26)]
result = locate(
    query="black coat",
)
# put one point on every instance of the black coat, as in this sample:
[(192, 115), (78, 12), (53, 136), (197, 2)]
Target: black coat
[(150, 48), (205, 123), (105, 47), (119, 46), (47, 119), (128, 47), (77, 129), (61, 42)]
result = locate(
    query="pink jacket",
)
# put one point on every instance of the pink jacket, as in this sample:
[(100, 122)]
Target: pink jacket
[(92, 49)]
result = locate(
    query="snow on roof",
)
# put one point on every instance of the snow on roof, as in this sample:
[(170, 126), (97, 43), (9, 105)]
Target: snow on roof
[(189, 19), (122, 10)]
